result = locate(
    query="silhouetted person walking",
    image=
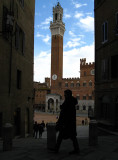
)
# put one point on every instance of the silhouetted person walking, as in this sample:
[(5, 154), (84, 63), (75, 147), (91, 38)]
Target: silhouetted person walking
[(40, 128), (66, 124), (35, 128)]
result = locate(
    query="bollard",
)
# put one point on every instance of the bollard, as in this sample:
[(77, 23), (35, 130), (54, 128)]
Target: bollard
[(7, 137), (93, 133), (51, 135)]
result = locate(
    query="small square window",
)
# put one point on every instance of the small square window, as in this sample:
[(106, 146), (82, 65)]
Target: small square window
[(104, 32), (19, 74), (84, 97), (72, 84), (66, 84), (84, 84)]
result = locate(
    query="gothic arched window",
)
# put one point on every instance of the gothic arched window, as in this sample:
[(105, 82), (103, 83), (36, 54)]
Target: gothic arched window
[(56, 16)]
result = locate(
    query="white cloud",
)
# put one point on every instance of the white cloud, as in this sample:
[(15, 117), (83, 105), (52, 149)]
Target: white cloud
[(66, 16), (39, 35), (46, 39), (47, 21), (78, 15), (87, 23), (72, 58), (71, 62), (45, 24), (42, 66), (72, 34), (78, 5), (74, 42)]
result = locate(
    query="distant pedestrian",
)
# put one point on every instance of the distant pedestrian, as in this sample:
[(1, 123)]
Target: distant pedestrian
[(82, 122), (66, 124), (35, 130), (43, 124), (40, 129), (86, 121)]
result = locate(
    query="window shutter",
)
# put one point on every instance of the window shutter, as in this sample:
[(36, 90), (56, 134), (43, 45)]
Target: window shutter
[(103, 33), (4, 20), (106, 30), (17, 37), (23, 43)]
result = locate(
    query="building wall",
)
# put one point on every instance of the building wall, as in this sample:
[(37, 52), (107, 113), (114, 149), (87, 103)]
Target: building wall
[(40, 91), (76, 85), (16, 67), (106, 58)]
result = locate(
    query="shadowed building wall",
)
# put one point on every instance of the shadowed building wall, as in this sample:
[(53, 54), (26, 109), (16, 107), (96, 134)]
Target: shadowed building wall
[(16, 64), (106, 63)]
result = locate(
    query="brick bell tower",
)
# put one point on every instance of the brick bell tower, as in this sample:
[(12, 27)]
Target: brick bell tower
[(57, 28)]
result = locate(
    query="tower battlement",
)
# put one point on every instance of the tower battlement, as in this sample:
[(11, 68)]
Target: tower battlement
[(83, 63), (70, 79)]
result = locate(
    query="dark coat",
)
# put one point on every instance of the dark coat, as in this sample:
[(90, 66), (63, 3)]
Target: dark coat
[(67, 118)]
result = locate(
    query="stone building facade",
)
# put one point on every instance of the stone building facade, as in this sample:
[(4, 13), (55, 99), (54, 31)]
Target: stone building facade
[(106, 63), (81, 87), (40, 92), (16, 64)]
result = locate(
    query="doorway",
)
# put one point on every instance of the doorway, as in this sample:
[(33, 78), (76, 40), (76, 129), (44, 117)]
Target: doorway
[(17, 121), (1, 119)]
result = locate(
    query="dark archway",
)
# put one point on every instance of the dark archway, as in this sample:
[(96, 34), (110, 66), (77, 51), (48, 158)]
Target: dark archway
[(50, 104)]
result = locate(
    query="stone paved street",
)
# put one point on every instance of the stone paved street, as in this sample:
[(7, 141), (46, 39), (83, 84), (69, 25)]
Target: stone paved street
[(34, 149)]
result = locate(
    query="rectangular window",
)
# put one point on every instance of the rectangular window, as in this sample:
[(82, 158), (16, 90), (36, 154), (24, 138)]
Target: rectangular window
[(90, 97), (114, 66), (60, 84), (116, 28), (21, 2), (117, 18), (84, 97), (20, 39), (19, 74), (78, 97), (104, 32), (90, 83), (84, 84), (105, 69), (72, 84), (4, 23), (77, 84), (17, 36), (66, 84)]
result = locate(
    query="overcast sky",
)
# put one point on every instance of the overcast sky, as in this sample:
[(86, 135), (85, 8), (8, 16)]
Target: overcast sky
[(78, 16)]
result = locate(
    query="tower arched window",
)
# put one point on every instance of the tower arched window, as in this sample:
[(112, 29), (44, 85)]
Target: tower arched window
[(84, 83), (60, 17), (56, 16), (90, 97), (90, 83), (78, 97), (72, 84), (84, 97), (84, 73), (66, 84), (78, 84)]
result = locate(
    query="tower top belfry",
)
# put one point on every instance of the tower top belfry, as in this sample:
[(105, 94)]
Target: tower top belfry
[(57, 27)]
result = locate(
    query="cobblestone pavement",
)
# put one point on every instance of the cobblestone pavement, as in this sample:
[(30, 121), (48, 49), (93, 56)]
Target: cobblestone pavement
[(36, 149)]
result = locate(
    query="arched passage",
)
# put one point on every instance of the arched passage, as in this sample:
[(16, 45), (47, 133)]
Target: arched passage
[(50, 104)]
